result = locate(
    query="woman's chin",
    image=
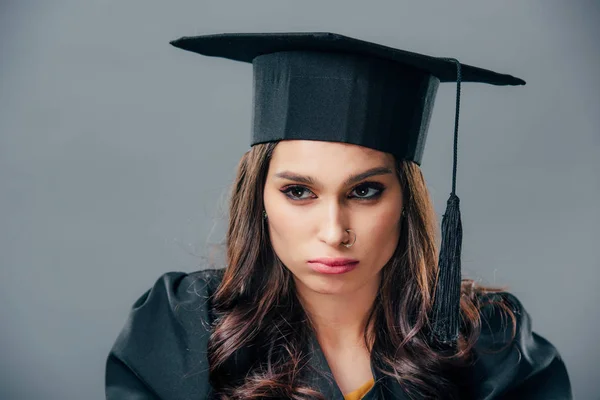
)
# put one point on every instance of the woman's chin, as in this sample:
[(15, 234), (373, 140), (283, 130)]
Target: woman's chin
[(326, 284)]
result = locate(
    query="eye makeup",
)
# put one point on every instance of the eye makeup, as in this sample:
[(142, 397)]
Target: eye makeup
[(373, 190)]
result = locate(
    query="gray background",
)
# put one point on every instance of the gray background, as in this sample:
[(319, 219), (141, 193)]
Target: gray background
[(117, 150)]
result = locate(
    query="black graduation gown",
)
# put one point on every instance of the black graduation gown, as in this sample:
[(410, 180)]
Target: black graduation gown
[(161, 352)]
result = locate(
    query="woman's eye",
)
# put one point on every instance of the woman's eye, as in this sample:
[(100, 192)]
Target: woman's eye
[(368, 191), (296, 192)]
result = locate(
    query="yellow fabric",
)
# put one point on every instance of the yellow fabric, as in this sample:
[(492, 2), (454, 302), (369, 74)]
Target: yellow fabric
[(360, 392)]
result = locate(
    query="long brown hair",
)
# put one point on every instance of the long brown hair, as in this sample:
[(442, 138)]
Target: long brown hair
[(258, 346)]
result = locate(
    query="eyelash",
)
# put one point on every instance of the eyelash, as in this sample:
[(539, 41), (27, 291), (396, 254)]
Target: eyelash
[(365, 185)]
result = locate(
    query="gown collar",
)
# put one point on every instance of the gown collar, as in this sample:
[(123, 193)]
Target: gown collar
[(385, 387)]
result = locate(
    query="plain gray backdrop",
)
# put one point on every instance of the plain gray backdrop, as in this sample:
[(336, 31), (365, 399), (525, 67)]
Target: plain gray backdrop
[(117, 152)]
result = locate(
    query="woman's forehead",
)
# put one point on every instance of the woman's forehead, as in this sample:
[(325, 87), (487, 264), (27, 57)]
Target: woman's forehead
[(327, 163), (290, 152)]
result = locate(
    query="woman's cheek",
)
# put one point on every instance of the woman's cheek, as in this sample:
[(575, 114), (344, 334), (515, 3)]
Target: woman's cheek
[(382, 224)]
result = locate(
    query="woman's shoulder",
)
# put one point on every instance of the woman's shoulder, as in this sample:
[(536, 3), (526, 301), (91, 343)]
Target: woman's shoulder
[(511, 360), (176, 300), (501, 314), (161, 350), (175, 290)]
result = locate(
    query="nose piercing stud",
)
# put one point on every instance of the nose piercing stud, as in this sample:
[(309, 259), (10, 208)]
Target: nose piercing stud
[(347, 244)]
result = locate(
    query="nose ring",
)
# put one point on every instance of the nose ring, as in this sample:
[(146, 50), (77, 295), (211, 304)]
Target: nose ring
[(347, 244)]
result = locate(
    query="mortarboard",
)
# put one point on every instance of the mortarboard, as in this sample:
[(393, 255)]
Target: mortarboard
[(330, 87)]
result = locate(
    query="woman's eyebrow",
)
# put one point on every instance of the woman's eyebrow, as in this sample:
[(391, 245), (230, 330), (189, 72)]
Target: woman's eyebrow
[(308, 180)]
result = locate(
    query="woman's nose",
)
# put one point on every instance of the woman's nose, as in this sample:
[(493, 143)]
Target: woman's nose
[(333, 224)]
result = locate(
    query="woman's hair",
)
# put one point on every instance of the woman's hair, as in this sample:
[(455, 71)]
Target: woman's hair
[(258, 346)]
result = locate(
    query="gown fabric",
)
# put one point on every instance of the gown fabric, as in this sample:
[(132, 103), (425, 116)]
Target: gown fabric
[(161, 351)]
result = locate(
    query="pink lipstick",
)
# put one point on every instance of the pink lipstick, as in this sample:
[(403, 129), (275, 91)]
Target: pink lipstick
[(335, 265)]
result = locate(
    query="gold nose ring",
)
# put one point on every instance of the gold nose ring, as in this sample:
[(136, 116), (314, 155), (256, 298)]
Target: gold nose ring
[(347, 244)]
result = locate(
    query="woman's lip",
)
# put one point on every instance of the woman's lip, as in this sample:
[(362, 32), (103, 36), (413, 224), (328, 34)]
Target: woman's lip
[(334, 262), (332, 269)]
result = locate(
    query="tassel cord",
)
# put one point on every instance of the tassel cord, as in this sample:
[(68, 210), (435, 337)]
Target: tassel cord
[(446, 307)]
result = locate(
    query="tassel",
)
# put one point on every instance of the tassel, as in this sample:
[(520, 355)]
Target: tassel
[(445, 319), (446, 306)]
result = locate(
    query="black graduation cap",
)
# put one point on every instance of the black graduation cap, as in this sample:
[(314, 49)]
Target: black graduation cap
[(330, 87)]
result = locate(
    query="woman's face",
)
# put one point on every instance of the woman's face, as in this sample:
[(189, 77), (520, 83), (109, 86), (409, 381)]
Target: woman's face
[(315, 191)]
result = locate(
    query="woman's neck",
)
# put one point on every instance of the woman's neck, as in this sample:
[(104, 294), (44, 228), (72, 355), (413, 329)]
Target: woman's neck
[(339, 319)]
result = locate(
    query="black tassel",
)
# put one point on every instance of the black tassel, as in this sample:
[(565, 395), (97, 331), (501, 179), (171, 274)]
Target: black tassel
[(446, 306), (445, 318)]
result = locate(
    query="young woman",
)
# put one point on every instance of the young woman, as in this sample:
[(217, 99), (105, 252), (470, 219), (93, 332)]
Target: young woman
[(333, 288)]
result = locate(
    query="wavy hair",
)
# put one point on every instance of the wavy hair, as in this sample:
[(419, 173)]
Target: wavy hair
[(258, 346)]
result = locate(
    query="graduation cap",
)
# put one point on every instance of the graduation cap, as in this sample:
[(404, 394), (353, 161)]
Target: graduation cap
[(330, 87)]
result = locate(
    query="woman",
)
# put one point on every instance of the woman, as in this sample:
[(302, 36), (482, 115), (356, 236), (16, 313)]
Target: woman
[(332, 289)]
